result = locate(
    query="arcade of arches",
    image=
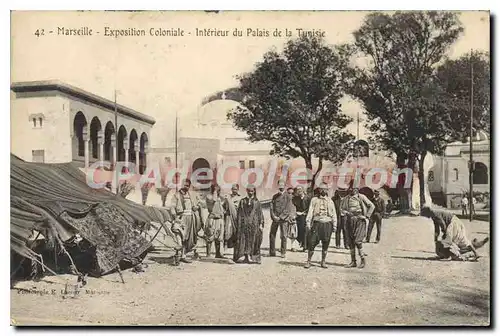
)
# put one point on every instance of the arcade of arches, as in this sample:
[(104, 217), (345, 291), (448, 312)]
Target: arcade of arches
[(93, 141)]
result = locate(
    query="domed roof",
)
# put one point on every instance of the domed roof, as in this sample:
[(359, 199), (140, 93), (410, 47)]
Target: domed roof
[(481, 136), (215, 112), (480, 141)]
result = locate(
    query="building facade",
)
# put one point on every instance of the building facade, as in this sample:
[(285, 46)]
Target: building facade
[(54, 122), (206, 139), (449, 176)]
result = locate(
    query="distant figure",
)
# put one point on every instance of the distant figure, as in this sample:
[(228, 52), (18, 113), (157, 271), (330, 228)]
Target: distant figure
[(389, 208), (250, 226), (145, 192), (454, 243), (376, 218), (464, 202), (291, 232), (301, 202), (321, 221), (282, 214), (473, 206), (163, 192), (231, 215), (337, 198), (358, 209)]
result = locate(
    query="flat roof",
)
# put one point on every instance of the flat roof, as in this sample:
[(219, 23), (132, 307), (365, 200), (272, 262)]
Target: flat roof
[(55, 85)]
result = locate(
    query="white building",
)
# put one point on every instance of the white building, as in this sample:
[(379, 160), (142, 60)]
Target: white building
[(449, 177), (55, 122), (206, 139)]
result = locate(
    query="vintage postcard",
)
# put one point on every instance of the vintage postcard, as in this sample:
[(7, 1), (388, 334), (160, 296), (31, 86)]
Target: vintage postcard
[(250, 168)]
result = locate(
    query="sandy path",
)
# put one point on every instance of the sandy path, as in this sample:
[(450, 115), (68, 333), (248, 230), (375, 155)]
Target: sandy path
[(398, 286)]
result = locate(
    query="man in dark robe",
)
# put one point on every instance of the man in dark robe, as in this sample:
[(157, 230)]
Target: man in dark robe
[(301, 202), (281, 211), (376, 218), (249, 228)]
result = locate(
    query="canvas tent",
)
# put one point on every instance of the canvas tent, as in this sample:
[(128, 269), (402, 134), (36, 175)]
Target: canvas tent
[(55, 200)]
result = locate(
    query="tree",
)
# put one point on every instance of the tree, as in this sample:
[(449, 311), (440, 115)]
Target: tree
[(454, 77), (292, 100), (398, 88)]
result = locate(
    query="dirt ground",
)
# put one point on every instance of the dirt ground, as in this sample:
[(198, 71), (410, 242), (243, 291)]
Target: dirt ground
[(399, 286)]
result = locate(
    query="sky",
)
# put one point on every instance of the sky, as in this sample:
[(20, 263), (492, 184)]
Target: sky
[(162, 75)]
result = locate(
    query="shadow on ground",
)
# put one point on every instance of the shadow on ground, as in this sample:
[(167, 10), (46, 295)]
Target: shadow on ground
[(419, 258)]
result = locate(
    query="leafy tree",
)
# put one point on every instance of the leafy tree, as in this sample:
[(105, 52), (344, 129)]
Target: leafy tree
[(292, 100), (398, 88), (454, 77)]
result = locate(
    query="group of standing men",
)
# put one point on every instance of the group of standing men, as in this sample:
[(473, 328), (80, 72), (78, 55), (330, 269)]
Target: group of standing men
[(237, 222), (229, 221), (347, 213)]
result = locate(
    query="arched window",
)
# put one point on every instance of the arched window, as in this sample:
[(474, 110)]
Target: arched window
[(79, 124), (455, 174), (480, 173), (361, 149)]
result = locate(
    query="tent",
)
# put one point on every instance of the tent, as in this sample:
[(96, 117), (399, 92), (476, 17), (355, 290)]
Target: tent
[(55, 201)]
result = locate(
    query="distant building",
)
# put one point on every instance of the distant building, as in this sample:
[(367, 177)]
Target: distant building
[(207, 139), (55, 122), (448, 179)]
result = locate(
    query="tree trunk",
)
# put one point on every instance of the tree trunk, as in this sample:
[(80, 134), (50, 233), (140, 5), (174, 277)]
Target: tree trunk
[(404, 195), (320, 166), (412, 161), (310, 177), (421, 178)]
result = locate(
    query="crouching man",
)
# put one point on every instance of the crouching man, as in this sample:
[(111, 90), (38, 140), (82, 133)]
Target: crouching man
[(321, 222), (454, 242)]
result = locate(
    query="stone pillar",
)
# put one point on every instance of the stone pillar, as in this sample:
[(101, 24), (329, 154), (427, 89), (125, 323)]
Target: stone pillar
[(100, 144), (145, 154), (126, 149), (114, 157), (114, 160), (137, 148), (86, 140)]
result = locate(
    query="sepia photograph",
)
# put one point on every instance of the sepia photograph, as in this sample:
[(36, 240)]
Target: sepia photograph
[(250, 168)]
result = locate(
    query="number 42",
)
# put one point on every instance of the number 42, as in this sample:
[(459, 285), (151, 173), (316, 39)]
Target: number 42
[(40, 32)]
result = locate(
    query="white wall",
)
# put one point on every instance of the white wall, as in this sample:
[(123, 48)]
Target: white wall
[(53, 137), (461, 185)]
